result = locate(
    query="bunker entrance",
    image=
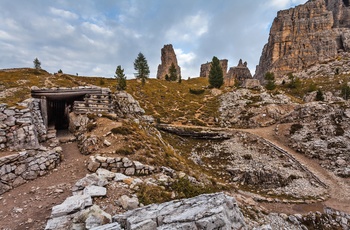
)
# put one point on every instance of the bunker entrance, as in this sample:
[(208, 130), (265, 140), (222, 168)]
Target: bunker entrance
[(56, 104), (58, 112)]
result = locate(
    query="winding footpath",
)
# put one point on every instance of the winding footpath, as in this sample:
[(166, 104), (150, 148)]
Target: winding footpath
[(338, 188)]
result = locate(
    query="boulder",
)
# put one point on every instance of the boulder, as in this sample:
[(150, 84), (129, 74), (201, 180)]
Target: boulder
[(209, 211), (71, 205), (94, 191), (128, 203)]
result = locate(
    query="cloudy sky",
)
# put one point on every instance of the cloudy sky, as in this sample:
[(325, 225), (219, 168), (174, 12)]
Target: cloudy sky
[(93, 37)]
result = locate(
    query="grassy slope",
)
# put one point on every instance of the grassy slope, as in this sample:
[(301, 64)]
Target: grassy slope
[(167, 101)]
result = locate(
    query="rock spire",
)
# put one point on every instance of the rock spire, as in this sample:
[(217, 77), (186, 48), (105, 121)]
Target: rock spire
[(237, 74), (168, 57)]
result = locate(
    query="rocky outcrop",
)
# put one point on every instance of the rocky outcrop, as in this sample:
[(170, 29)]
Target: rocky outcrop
[(238, 74), (321, 131), (205, 68), (315, 32), (126, 105), (168, 57), (210, 211), (246, 109)]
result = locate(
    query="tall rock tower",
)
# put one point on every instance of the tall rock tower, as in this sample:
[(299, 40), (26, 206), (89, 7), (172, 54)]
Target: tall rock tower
[(168, 57), (318, 31)]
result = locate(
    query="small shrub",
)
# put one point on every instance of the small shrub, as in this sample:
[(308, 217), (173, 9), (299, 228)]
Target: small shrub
[(121, 130), (91, 126), (91, 116), (247, 156), (294, 128), (319, 95), (186, 189), (102, 82), (339, 131), (149, 194), (197, 122), (197, 91), (126, 150), (345, 91)]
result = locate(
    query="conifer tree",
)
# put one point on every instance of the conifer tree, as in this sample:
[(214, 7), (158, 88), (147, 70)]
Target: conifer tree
[(141, 66), (37, 63), (319, 95), (121, 78), (172, 73), (216, 78), (270, 78)]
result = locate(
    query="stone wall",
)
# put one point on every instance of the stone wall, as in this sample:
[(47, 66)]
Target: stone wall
[(27, 165), (120, 165), (21, 128)]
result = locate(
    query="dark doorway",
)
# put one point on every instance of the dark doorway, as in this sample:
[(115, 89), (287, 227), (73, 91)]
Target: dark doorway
[(58, 103), (346, 3), (58, 112)]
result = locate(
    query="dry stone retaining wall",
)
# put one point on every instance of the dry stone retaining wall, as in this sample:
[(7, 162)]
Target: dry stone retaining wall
[(27, 165), (120, 165), (21, 128)]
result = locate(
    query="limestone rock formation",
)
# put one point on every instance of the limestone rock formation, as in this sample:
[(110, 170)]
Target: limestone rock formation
[(209, 211), (205, 68), (315, 32), (168, 57), (238, 74)]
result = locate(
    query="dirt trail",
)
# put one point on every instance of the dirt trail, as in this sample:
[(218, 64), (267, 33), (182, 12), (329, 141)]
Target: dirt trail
[(29, 205), (339, 188)]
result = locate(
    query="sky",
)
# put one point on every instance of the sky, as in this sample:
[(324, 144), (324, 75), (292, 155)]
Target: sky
[(93, 37)]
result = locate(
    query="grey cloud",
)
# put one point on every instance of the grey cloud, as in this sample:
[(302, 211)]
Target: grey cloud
[(92, 37)]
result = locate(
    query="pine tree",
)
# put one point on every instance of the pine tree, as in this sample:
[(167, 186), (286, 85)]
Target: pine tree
[(172, 73), (37, 63), (121, 78), (319, 95), (270, 78), (345, 91), (216, 78), (141, 66)]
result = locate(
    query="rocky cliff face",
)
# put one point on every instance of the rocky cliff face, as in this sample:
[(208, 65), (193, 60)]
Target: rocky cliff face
[(315, 32), (239, 73), (205, 68), (168, 57)]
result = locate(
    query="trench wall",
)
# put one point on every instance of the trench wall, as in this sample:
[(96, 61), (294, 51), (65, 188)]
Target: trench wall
[(21, 128), (18, 168)]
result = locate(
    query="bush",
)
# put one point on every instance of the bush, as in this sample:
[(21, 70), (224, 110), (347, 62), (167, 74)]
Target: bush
[(186, 189), (319, 95), (197, 122), (124, 151), (345, 91), (294, 128), (121, 130), (150, 194), (197, 91), (91, 126), (270, 78)]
